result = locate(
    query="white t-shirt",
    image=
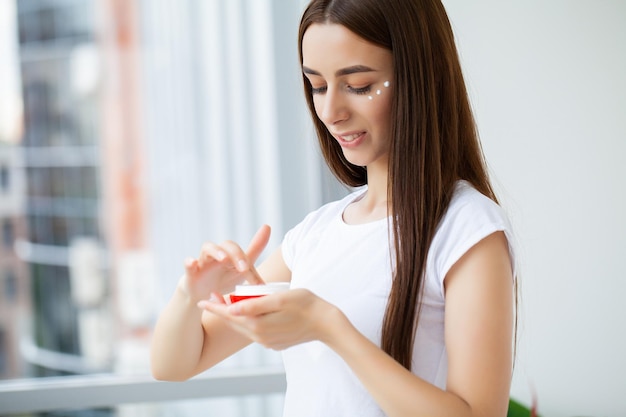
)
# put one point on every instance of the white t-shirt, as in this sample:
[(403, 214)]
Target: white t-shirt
[(350, 266)]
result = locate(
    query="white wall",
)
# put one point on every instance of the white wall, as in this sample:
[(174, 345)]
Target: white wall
[(548, 82)]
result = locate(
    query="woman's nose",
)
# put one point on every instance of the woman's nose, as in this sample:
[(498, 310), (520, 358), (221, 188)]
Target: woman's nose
[(333, 107)]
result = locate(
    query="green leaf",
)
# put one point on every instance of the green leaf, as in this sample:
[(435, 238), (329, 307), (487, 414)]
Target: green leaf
[(516, 409)]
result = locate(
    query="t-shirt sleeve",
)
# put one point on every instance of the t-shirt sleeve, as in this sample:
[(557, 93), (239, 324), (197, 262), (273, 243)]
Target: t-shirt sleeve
[(470, 218)]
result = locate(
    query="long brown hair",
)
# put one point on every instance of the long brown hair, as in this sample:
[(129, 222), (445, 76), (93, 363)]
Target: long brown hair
[(433, 136)]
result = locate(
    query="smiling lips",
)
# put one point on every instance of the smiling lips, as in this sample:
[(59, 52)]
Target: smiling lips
[(350, 138)]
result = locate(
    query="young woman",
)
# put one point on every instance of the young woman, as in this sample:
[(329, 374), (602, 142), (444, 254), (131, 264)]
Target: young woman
[(402, 294)]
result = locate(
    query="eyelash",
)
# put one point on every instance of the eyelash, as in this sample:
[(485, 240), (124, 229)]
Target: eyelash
[(319, 90), (358, 91)]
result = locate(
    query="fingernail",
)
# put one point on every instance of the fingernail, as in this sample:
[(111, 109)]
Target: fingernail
[(221, 256), (202, 304), (242, 265)]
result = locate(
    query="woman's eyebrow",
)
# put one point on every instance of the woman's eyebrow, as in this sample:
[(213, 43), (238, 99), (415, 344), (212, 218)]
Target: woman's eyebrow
[(343, 71)]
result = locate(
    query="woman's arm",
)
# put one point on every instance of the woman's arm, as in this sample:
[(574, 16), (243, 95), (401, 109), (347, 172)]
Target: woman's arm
[(478, 332), (186, 340)]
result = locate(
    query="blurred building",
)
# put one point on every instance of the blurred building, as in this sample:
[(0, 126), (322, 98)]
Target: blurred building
[(83, 197), (14, 285), (61, 164)]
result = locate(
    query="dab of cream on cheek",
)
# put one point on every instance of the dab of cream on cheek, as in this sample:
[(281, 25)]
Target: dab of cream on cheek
[(379, 91), (244, 292)]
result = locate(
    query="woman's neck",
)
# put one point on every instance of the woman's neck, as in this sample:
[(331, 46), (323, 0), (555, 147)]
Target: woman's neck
[(374, 204)]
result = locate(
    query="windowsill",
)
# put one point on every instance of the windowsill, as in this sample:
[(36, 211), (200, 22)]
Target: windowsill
[(72, 392)]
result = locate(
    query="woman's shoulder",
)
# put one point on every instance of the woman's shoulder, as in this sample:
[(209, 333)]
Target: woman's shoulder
[(326, 218), (325, 214), (471, 216), (469, 204), (334, 208)]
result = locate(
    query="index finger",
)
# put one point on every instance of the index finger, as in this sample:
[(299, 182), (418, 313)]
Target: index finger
[(258, 243), (255, 277)]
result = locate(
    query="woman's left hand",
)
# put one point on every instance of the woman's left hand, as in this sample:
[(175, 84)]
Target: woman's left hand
[(278, 321)]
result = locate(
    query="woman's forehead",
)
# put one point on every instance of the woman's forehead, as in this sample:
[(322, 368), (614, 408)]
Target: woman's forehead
[(331, 45)]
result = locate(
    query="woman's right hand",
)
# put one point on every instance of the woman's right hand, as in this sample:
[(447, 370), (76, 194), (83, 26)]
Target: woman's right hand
[(219, 268)]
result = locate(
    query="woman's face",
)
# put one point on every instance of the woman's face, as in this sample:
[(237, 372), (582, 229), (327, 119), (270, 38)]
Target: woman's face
[(352, 86)]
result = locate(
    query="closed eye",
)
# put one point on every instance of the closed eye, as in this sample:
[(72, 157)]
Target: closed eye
[(360, 90), (353, 90), (318, 90)]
